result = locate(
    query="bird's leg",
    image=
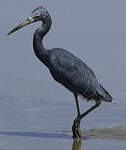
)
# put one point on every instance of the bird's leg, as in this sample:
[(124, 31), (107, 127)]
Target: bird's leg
[(76, 124), (92, 108), (76, 129), (77, 105)]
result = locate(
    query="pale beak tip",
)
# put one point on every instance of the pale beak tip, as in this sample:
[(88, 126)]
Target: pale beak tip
[(9, 33)]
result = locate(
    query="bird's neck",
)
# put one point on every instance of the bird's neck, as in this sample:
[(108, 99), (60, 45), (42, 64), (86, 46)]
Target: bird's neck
[(39, 34)]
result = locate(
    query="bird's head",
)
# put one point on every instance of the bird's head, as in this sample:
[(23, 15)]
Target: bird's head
[(38, 14)]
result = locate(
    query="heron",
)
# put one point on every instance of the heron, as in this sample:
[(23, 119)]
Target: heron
[(66, 68)]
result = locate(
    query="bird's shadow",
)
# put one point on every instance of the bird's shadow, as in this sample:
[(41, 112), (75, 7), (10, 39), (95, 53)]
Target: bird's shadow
[(76, 145), (40, 135)]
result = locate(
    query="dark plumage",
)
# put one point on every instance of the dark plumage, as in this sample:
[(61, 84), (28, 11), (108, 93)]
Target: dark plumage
[(78, 77), (65, 68)]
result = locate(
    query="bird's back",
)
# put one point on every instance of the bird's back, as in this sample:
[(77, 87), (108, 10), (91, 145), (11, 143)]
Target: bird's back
[(75, 75)]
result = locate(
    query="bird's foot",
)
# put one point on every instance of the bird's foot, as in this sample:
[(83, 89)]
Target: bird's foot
[(76, 129)]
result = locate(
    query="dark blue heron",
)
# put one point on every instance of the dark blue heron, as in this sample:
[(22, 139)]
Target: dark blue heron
[(66, 68)]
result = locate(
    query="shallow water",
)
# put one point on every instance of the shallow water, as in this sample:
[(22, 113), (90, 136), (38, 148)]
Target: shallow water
[(46, 123), (36, 112)]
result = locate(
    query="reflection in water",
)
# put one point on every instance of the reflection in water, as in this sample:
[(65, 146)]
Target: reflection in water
[(76, 145)]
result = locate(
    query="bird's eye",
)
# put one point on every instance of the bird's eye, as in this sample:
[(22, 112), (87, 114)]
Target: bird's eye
[(36, 16)]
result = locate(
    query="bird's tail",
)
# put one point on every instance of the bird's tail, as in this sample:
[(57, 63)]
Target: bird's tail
[(104, 95)]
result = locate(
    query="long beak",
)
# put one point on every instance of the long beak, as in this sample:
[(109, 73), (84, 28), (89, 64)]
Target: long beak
[(24, 23)]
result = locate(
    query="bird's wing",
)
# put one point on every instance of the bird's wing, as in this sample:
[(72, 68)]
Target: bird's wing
[(72, 73)]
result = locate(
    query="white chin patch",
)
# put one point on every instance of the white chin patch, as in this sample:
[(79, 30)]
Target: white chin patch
[(30, 18)]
